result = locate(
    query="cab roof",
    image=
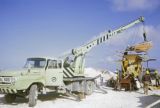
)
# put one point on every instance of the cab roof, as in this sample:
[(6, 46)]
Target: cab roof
[(45, 57)]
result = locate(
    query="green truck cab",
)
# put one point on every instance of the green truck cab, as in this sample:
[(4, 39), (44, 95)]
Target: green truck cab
[(38, 72)]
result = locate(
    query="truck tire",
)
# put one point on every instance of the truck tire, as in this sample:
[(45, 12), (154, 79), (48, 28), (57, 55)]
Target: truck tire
[(9, 98), (89, 87), (33, 94)]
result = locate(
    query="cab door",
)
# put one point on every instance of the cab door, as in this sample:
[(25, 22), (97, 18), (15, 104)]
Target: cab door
[(54, 73)]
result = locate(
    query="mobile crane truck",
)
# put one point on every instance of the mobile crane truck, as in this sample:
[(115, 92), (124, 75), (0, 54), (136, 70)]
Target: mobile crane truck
[(44, 74)]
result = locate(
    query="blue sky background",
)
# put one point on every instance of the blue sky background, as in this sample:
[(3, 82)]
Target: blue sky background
[(52, 27)]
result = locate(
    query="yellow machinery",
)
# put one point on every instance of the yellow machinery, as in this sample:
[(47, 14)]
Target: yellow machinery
[(131, 65)]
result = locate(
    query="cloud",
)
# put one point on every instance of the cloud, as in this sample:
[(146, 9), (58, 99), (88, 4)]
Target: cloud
[(132, 5)]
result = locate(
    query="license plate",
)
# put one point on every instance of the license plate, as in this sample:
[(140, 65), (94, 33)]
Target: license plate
[(7, 79)]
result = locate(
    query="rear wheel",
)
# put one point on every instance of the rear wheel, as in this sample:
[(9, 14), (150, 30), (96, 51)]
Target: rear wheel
[(89, 88), (10, 98), (33, 94)]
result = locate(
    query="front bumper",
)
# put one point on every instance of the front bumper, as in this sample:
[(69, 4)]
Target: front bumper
[(8, 91)]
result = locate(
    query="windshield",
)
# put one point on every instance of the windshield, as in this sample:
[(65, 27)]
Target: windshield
[(35, 63)]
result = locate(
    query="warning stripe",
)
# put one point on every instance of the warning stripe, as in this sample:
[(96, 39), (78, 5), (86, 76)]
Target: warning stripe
[(68, 72), (71, 69), (64, 75)]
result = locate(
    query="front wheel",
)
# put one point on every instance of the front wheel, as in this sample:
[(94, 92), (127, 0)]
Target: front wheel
[(33, 94), (10, 98)]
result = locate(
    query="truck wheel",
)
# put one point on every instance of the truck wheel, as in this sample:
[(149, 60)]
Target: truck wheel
[(10, 98), (89, 88), (33, 94)]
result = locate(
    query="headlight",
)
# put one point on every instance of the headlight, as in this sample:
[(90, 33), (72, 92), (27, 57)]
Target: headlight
[(13, 79)]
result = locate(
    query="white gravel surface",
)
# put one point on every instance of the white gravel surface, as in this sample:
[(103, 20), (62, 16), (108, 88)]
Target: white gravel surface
[(113, 99)]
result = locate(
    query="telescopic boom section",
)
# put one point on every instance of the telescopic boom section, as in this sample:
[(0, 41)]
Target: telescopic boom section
[(103, 37)]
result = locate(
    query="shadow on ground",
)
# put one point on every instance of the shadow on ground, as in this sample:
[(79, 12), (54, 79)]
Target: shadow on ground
[(44, 97), (147, 100), (17, 101)]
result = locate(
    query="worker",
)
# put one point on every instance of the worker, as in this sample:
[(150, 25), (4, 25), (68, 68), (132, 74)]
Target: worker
[(136, 72), (156, 78), (146, 79), (102, 78), (125, 64), (67, 62), (116, 81)]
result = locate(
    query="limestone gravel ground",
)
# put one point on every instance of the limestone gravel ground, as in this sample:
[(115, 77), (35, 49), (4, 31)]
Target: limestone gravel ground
[(113, 99)]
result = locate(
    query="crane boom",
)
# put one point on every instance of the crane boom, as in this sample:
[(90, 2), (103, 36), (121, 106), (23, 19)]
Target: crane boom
[(103, 37)]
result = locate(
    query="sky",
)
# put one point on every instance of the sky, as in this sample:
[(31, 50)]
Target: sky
[(30, 28)]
